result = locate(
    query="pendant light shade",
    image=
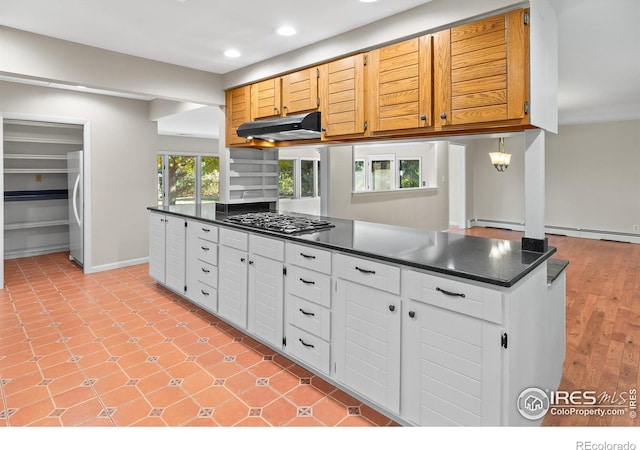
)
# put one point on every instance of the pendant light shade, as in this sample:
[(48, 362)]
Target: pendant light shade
[(500, 159)]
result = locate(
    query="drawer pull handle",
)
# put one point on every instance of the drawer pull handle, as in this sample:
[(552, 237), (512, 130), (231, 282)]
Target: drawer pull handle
[(307, 313), (304, 255), (307, 281), (367, 271), (206, 230), (204, 292), (449, 293), (206, 249), (205, 270), (305, 344)]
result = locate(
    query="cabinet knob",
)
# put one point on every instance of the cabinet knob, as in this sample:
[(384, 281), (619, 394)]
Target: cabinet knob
[(250, 262), (423, 117), (242, 260), (443, 116), (392, 308), (412, 314)]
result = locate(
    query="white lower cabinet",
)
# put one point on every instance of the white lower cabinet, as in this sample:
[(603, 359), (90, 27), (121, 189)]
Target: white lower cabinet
[(167, 250), (366, 341), (202, 264), (451, 356), (308, 305), (233, 289), (266, 289)]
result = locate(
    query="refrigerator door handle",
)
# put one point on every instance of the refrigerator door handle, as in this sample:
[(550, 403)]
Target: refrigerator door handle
[(75, 200)]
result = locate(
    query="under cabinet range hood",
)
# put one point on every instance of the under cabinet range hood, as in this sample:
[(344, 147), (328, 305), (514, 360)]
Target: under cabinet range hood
[(290, 128)]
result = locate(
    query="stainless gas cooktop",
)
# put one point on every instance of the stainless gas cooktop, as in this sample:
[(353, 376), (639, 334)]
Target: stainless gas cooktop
[(280, 223)]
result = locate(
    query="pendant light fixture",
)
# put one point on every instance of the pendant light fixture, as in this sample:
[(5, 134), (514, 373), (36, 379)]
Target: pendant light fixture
[(500, 159)]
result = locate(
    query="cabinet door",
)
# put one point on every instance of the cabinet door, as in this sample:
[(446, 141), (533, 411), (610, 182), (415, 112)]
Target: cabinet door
[(265, 99), (238, 111), (400, 86), (452, 368), (266, 299), (175, 253), (367, 342), (342, 96), (232, 285), (300, 91), (157, 246), (481, 71)]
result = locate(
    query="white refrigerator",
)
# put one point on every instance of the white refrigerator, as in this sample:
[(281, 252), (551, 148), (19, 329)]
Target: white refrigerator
[(75, 181)]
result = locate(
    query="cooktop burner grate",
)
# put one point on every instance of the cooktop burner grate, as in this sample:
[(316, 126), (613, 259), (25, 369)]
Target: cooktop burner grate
[(281, 223)]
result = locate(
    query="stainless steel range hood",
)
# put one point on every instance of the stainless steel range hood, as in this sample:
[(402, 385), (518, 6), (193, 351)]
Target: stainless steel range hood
[(289, 128)]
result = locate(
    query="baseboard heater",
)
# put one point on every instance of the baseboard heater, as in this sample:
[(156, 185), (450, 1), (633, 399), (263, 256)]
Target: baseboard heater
[(603, 235)]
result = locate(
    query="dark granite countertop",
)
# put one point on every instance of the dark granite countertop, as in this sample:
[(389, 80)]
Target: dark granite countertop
[(494, 261)]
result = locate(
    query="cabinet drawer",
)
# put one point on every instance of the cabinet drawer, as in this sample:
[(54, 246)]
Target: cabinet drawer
[(370, 273), (309, 285), (310, 317), (234, 239), (309, 257), (206, 273), (269, 248), (203, 230), (205, 296), (458, 296), (207, 251), (308, 348)]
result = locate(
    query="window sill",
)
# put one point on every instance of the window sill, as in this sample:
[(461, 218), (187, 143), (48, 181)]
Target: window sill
[(420, 190)]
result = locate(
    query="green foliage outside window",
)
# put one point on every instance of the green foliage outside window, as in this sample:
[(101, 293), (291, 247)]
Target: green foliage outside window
[(409, 173), (286, 178)]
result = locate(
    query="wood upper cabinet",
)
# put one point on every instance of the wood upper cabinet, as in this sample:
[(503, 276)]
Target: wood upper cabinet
[(265, 99), (342, 96), (238, 111), (399, 86), (300, 91), (481, 71)]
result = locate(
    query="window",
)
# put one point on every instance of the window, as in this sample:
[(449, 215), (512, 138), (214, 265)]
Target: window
[(209, 179), (381, 173), (286, 178), (409, 173), (359, 175), (189, 179), (394, 167), (299, 178)]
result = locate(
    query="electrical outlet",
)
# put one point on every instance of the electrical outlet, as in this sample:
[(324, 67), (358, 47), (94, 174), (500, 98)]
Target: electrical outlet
[(636, 228)]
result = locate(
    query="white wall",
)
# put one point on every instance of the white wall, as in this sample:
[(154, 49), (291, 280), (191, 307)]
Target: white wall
[(186, 144), (498, 195), (592, 178), (427, 209), (124, 144), (31, 55)]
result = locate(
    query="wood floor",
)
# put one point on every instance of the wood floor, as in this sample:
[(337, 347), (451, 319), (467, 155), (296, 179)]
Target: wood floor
[(603, 321)]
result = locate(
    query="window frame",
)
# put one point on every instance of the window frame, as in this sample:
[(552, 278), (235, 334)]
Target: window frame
[(421, 181), (165, 155), (297, 177)]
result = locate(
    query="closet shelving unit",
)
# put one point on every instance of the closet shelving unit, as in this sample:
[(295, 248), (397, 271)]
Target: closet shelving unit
[(253, 175), (36, 218)]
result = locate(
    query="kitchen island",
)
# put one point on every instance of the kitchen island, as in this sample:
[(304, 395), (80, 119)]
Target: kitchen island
[(428, 327)]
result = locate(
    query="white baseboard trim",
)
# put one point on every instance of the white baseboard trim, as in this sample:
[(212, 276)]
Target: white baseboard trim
[(563, 231), (117, 265)]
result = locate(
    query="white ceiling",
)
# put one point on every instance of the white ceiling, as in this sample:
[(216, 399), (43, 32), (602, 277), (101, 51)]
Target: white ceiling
[(599, 42)]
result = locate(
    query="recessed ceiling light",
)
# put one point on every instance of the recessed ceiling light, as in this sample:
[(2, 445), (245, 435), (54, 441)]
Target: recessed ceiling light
[(368, 1), (286, 31), (232, 53)]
